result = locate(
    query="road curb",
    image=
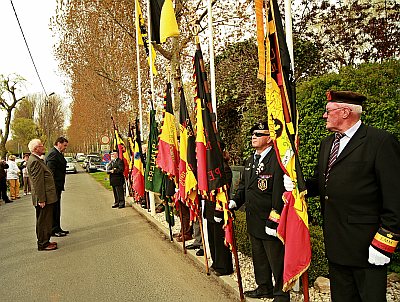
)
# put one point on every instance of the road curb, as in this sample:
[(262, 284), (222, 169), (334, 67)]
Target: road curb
[(226, 281)]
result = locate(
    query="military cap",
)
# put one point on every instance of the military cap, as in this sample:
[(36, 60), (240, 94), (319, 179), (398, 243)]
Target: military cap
[(260, 125), (348, 97)]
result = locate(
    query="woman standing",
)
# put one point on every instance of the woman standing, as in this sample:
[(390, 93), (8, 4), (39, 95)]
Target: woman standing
[(13, 177)]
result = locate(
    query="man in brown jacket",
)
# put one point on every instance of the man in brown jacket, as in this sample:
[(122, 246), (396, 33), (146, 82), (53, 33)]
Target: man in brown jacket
[(43, 195)]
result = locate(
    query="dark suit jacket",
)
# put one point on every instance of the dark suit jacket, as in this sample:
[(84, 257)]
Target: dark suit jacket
[(260, 192), (56, 162), (361, 194), (42, 181), (116, 171)]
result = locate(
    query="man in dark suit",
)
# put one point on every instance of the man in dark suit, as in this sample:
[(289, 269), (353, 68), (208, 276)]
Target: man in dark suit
[(117, 180), (261, 189), (3, 181), (44, 195), (357, 177), (57, 164)]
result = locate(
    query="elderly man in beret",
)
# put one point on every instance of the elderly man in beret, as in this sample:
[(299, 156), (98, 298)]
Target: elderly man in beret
[(260, 189), (356, 176)]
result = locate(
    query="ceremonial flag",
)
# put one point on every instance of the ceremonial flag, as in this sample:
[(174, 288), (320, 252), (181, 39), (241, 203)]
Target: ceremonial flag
[(137, 174), (163, 20), (187, 154), (212, 181), (153, 175), (141, 32), (168, 158), (282, 120), (119, 146)]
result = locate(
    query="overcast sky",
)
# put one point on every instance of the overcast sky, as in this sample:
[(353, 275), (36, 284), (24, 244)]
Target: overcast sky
[(34, 16)]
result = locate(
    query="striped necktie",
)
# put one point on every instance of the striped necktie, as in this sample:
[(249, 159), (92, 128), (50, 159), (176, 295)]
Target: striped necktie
[(334, 153)]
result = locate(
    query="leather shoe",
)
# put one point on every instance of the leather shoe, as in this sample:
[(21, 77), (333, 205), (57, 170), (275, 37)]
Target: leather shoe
[(121, 207), (258, 293), (66, 232), (50, 247), (200, 252), (59, 234), (192, 247), (114, 206), (53, 243)]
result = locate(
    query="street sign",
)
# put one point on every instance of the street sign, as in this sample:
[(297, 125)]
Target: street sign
[(104, 148), (105, 139)]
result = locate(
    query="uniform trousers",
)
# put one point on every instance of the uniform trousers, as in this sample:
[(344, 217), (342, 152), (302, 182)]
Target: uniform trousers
[(220, 253), (119, 195), (355, 284), (44, 224), (268, 257)]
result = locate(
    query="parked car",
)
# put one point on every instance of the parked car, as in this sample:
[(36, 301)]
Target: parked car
[(71, 165), (80, 157), (94, 164), (86, 160)]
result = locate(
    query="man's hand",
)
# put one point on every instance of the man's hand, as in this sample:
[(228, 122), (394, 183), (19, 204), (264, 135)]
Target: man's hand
[(41, 204), (217, 219), (376, 257), (269, 231), (288, 183), (232, 204)]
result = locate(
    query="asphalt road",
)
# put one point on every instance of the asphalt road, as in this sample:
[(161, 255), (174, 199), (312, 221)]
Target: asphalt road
[(109, 255)]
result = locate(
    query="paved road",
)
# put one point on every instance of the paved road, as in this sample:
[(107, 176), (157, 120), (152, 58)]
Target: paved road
[(110, 255)]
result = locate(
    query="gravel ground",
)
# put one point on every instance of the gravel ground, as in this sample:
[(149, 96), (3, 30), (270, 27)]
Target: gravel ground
[(246, 269)]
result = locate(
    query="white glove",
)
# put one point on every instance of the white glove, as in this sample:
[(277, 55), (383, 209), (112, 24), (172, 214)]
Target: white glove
[(269, 231), (288, 183), (376, 257), (232, 204), (217, 219)]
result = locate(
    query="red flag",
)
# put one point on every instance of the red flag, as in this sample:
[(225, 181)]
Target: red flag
[(168, 158), (282, 119), (137, 173), (119, 146)]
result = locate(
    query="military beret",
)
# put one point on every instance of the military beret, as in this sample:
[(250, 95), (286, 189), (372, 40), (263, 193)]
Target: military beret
[(345, 97), (260, 125)]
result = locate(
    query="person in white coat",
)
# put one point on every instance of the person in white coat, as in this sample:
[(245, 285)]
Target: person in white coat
[(13, 173)]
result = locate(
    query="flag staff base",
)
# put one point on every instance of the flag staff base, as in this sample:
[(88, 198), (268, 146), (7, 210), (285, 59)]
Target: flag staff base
[(182, 227), (304, 281)]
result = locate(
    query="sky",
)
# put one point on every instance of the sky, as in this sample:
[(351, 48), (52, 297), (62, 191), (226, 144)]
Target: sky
[(34, 17)]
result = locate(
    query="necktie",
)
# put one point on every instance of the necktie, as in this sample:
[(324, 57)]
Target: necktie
[(255, 165), (334, 153)]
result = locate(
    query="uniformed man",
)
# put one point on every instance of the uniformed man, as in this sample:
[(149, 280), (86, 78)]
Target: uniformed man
[(356, 176), (261, 189)]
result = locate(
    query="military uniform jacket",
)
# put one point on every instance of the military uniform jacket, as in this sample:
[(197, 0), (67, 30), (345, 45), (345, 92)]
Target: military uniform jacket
[(260, 192), (361, 193), (56, 162), (42, 181), (116, 170)]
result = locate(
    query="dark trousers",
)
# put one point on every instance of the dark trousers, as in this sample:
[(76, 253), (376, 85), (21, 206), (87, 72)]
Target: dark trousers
[(44, 217), (57, 214), (119, 195), (185, 222), (354, 284), (3, 189), (220, 254), (268, 256)]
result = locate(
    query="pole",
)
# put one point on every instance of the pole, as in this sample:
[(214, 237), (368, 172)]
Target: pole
[(212, 64), (182, 227), (204, 243), (139, 81), (150, 52), (289, 31), (236, 257)]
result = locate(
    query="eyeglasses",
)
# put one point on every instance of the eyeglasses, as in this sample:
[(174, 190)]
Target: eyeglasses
[(259, 134), (327, 111)]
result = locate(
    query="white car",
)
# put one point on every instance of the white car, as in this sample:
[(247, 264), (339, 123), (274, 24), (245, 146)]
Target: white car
[(71, 165)]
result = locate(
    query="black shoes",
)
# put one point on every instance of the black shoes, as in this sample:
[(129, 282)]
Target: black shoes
[(115, 205), (200, 252), (258, 293), (192, 247), (59, 234), (121, 207)]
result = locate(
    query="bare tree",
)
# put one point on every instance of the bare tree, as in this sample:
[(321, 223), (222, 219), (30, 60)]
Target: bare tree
[(9, 87)]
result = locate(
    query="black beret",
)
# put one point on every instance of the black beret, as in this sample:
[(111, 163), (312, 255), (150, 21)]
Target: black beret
[(345, 97), (260, 125)]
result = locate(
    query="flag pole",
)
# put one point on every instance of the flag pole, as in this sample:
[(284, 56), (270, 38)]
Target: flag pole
[(200, 218), (139, 81), (289, 42), (151, 194), (212, 64)]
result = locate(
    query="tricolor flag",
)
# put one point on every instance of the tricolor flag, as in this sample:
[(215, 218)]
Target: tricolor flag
[(212, 182), (137, 174), (282, 119), (119, 146), (168, 158), (141, 32), (153, 175), (163, 21), (187, 163)]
